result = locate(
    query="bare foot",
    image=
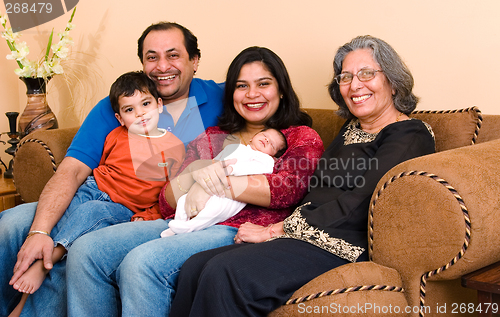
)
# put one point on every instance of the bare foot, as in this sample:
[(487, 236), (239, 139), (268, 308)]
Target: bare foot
[(19, 308), (31, 280)]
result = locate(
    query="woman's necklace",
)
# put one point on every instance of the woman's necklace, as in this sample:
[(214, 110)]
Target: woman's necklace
[(242, 139), (397, 120)]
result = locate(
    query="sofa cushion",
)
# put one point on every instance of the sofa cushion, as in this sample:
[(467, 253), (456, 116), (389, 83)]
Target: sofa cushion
[(355, 289), (452, 128), (326, 123)]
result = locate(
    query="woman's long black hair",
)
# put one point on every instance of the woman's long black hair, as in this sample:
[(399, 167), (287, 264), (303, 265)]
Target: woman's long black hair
[(288, 113)]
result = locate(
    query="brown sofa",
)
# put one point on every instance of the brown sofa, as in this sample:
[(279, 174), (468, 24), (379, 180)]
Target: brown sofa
[(432, 220)]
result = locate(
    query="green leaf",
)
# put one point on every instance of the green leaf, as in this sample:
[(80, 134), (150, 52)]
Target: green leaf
[(49, 44), (13, 49)]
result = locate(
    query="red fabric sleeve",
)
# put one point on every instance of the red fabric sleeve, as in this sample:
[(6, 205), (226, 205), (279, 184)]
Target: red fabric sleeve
[(290, 179)]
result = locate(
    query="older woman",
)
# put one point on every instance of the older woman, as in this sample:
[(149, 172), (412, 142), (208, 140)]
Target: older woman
[(373, 89), (141, 274)]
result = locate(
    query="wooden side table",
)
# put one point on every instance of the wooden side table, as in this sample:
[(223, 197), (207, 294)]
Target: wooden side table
[(487, 283), (8, 195)]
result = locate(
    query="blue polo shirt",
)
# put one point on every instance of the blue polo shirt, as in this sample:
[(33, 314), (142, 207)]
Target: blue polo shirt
[(203, 108)]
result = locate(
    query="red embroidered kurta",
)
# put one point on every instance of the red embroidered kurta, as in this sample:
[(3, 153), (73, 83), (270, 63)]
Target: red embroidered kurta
[(288, 182)]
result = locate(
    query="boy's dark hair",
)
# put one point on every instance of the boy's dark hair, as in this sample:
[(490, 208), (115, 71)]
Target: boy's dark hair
[(281, 151), (127, 84)]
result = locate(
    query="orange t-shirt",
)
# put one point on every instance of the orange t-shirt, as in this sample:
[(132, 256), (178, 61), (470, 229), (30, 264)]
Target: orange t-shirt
[(134, 168)]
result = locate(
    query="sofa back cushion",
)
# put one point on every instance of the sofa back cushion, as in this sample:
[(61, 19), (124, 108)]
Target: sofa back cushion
[(452, 128), (326, 123)]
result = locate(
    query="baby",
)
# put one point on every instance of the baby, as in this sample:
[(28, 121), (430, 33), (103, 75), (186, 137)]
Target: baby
[(256, 158)]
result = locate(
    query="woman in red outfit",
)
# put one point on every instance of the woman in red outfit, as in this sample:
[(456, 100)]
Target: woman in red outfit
[(258, 94)]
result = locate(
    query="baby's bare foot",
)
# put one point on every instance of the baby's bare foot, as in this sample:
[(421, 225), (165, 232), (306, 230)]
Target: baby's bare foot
[(31, 280)]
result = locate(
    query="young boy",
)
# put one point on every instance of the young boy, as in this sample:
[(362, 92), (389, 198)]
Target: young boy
[(256, 158), (137, 160)]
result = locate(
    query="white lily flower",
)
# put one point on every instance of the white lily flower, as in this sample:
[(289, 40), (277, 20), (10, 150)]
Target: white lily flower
[(10, 36), (23, 49), (56, 46), (63, 34), (48, 65), (62, 52), (66, 41), (24, 72), (43, 70), (56, 66)]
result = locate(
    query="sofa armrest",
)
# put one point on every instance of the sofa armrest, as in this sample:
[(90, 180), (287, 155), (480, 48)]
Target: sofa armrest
[(37, 157), (355, 289), (435, 218), (432, 220)]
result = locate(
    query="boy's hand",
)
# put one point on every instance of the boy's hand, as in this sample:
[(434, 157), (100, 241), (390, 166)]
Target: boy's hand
[(138, 219)]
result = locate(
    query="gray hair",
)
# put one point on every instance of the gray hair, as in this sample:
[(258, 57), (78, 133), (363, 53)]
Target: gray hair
[(395, 70)]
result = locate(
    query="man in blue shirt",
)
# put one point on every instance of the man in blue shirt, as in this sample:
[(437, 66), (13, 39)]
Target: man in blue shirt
[(169, 54)]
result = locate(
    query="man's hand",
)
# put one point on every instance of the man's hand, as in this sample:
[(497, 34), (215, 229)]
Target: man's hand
[(36, 247)]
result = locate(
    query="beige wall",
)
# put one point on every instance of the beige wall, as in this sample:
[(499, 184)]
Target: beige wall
[(451, 46)]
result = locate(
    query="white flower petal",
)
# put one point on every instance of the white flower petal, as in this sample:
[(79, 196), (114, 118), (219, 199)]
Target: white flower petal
[(44, 67)]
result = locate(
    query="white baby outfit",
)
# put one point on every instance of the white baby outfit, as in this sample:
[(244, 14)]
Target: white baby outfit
[(218, 209)]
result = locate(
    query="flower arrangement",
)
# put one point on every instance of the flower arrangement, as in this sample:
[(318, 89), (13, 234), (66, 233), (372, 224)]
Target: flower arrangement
[(49, 64)]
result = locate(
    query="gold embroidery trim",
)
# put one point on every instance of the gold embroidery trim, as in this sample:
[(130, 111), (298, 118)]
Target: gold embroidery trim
[(355, 135), (428, 126), (296, 227)]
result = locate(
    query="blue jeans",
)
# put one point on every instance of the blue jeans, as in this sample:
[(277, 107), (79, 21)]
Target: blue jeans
[(50, 299), (84, 214), (14, 226), (128, 268)]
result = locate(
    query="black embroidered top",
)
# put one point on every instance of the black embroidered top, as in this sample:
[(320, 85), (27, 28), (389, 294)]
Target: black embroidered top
[(334, 214)]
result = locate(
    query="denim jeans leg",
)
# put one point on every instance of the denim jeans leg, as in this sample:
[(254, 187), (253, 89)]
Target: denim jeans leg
[(50, 299), (14, 226), (89, 210), (92, 263), (147, 277)]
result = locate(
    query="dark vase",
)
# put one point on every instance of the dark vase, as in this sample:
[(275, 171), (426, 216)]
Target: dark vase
[(37, 115)]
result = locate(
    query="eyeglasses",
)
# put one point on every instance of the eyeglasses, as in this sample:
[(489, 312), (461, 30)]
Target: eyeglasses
[(364, 74)]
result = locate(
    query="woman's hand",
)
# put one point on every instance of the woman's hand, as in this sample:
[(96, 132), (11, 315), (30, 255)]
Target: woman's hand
[(248, 232), (196, 200), (212, 178)]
